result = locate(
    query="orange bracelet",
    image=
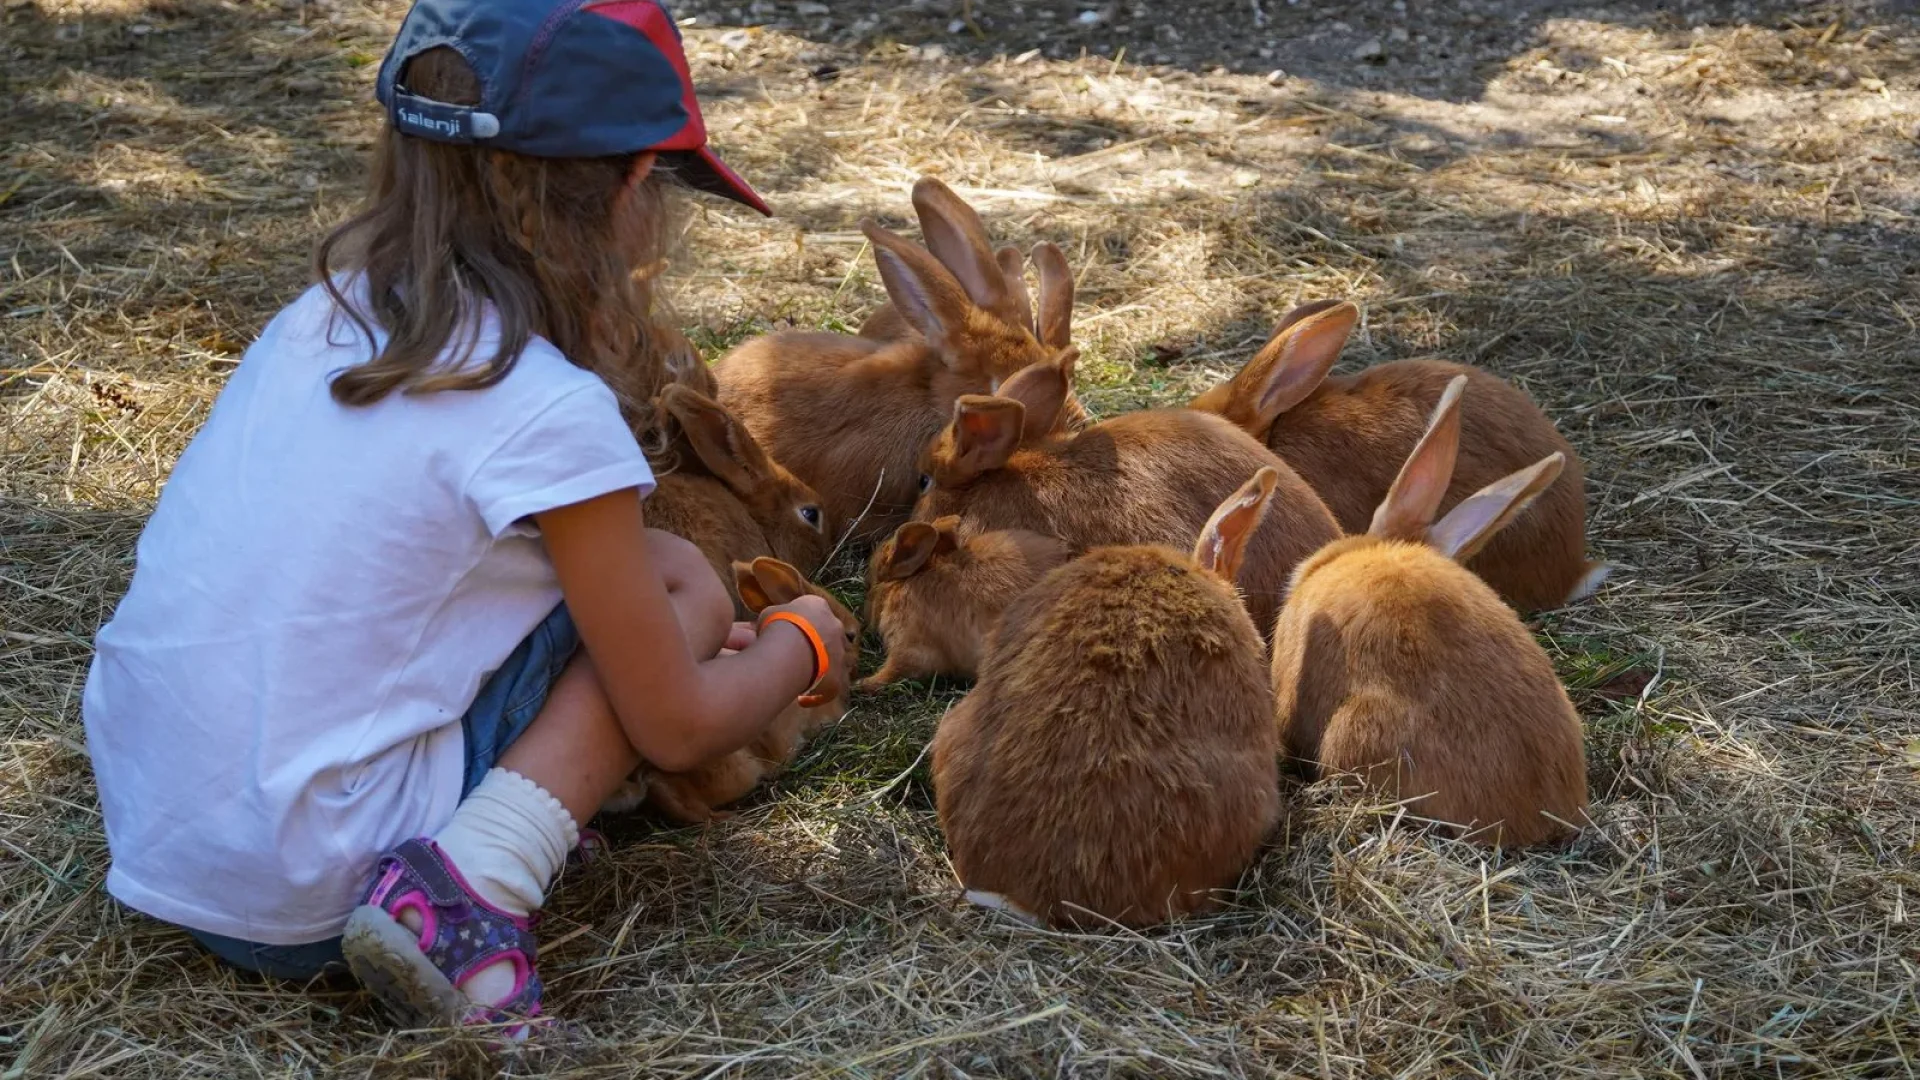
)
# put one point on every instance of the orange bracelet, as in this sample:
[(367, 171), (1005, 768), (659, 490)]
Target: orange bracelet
[(820, 661)]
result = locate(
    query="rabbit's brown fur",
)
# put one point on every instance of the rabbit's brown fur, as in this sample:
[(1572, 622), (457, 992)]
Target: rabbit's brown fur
[(995, 280), (1393, 662), (850, 415), (1117, 759), (696, 795), (935, 606), (729, 498), (1348, 435), (1148, 477)]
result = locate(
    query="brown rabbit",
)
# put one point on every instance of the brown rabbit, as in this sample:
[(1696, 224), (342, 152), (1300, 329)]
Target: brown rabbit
[(695, 796), (850, 415), (935, 597), (1117, 760), (1148, 477), (1346, 434), (1394, 662), (728, 498), (957, 237)]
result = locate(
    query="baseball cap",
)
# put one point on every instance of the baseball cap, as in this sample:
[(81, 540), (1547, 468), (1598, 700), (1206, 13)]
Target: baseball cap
[(561, 78)]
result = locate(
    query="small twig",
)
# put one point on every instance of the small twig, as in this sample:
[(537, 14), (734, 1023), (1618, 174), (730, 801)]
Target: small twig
[(852, 526)]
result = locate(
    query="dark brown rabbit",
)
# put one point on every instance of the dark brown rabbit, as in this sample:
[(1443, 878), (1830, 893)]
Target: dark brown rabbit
[(1146, 477), (1346, 434), (1117, 760), (729, 498), (935, 596), (850, 415), (1394, 663), (697, 795)]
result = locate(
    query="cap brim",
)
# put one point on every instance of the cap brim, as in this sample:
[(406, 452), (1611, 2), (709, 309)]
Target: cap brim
[(704, 171)]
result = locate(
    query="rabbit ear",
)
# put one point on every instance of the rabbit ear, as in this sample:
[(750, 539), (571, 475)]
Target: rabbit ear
[(721, 442), (948, 529), (1042, 390), (1292, 364), (1013, 273), (1416, 493), (1301, 311), (925, 294), (914, 545), (1056, 296), (766, 582), (1224, 540), (958, 238), (1468, 526), (986, 432)]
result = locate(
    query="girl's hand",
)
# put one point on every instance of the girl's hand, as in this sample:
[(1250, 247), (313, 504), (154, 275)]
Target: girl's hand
[(834, 636), (741, 636), (652, 613)]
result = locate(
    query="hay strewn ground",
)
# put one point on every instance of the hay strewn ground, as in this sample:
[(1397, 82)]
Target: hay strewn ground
[(1690, 234)]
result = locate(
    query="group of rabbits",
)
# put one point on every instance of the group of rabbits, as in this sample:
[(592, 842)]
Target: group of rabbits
[(1155, 606)]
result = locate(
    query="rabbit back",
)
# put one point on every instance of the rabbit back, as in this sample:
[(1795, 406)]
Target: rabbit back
[(1151, 477), (1117, 756), (1396, 664)]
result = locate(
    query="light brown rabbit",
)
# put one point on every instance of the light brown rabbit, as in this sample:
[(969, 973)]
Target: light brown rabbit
[(729, 498), (1117, 760), (935, 596), (1393, 662), (850, 415), (695, 796), (1346, 434), (957, 237), (1148, 477)]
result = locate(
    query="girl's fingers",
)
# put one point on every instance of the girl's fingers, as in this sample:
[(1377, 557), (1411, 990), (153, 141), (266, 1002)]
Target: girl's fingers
[(740, 636)]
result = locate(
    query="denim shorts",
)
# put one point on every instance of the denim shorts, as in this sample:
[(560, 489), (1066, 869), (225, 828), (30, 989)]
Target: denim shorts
[(506, 705)]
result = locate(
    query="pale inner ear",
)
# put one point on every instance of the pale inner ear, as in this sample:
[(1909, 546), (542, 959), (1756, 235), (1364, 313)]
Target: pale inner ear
[(1223, 542), (781, 583), (988, 432), (726, 448), (924, 292), (748, 586), (1468, 526), (1041, 389), (1417, 492), (913, 544), (1308, 350), (909, 294)]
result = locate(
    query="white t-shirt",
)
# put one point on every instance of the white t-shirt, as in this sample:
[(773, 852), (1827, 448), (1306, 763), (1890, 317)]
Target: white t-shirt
[(316, 601)]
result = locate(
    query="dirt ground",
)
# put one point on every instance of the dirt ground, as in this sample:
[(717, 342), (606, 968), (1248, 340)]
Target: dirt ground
[(1688, 229)]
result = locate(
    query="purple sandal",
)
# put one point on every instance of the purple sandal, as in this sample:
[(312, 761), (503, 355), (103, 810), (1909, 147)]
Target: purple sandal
[(420, 976)]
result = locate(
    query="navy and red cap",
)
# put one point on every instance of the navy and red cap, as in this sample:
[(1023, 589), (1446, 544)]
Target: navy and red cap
[(561, 78)]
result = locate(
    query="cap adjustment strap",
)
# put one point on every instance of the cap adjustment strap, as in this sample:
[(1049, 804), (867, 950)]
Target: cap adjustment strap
[(439, 121)]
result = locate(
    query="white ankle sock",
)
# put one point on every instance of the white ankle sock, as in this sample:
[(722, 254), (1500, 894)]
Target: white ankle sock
[(508, 839)]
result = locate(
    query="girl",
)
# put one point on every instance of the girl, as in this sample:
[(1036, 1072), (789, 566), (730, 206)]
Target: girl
[(343, 695)]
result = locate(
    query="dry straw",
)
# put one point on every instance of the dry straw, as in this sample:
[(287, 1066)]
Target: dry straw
[(1696, 249)]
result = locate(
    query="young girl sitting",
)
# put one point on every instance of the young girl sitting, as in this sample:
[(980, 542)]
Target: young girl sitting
[(343, 695)]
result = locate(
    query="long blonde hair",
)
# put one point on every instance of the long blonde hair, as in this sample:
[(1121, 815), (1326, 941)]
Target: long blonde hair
[(562, 248)]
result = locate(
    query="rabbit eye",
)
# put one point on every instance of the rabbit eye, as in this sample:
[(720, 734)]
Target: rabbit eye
[(810, 515), (925, 483)]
